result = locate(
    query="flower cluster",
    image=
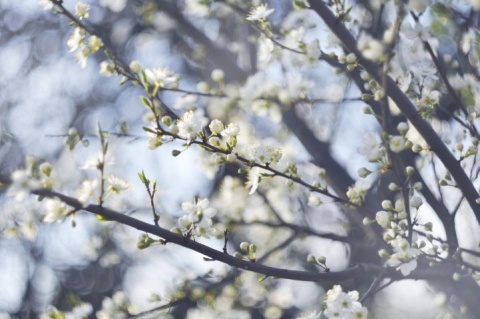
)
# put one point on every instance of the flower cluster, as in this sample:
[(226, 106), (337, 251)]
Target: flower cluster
[(393, 220), (247, 251), (55, 210), (339, 304), (81, 47), (191, 124), (372, 148), (33, 176), (264, 155), (223, 137), (82, 10), (403, 257), (117, 307), (198, 220), (357, 192), (78, 312)]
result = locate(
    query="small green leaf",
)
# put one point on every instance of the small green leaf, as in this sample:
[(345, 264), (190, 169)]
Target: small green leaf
[(145, 101), (109, 54), (123, 80), (148, 129), (143, 178)]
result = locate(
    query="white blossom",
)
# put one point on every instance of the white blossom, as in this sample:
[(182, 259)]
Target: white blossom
[(199, 207), (116, 184), (97, 160), (191, 124), (46, 4), (418, 31), (107, 68), (404, 256), (416, 201), (265, 50), (115, 307), (76, 39), (114, 5), (371, 48), (216, 126), (79, 312), (264, 154), (231, 130), (185, 102), (218, 75), (397, 143), (198, 221), (383, 218), (310, 315), (86, 191), (371, 147), (314, 200), (197, 8), (339, 304), (55, 210), (259, 13), (253, 179), (357, 192), (81, 10), (161, 77)]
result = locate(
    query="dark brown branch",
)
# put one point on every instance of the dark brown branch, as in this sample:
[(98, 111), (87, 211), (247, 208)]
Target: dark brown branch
[(405, 105), (169, 237)]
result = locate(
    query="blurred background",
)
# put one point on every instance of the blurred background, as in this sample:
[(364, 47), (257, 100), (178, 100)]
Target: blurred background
[(44, 92)]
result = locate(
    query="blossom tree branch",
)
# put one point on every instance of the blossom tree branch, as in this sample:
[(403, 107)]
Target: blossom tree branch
[(169, 237), (405, 105)]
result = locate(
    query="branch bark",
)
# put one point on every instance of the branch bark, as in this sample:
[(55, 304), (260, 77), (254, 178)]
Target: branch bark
[(169, 237)]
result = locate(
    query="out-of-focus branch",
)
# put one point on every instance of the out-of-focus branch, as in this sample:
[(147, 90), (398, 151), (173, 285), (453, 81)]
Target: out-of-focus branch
[(222, 58)]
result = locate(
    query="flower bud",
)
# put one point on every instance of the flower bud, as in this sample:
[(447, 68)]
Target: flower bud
[(363, 172), (135, 66), (231, 158), (402, 128), (417, 148), (218, 75), (244, 246), (387, 205), (216, 126), (174, 129), (237, 255), (351, 58), (409, 170), (393, 187), (416, 201), (322, 260), (215, 141), (383, 254), (167, 120), (203, 87)]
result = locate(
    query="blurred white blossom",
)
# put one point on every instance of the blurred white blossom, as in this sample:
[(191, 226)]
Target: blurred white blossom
[(259, 13), (339, 304)]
